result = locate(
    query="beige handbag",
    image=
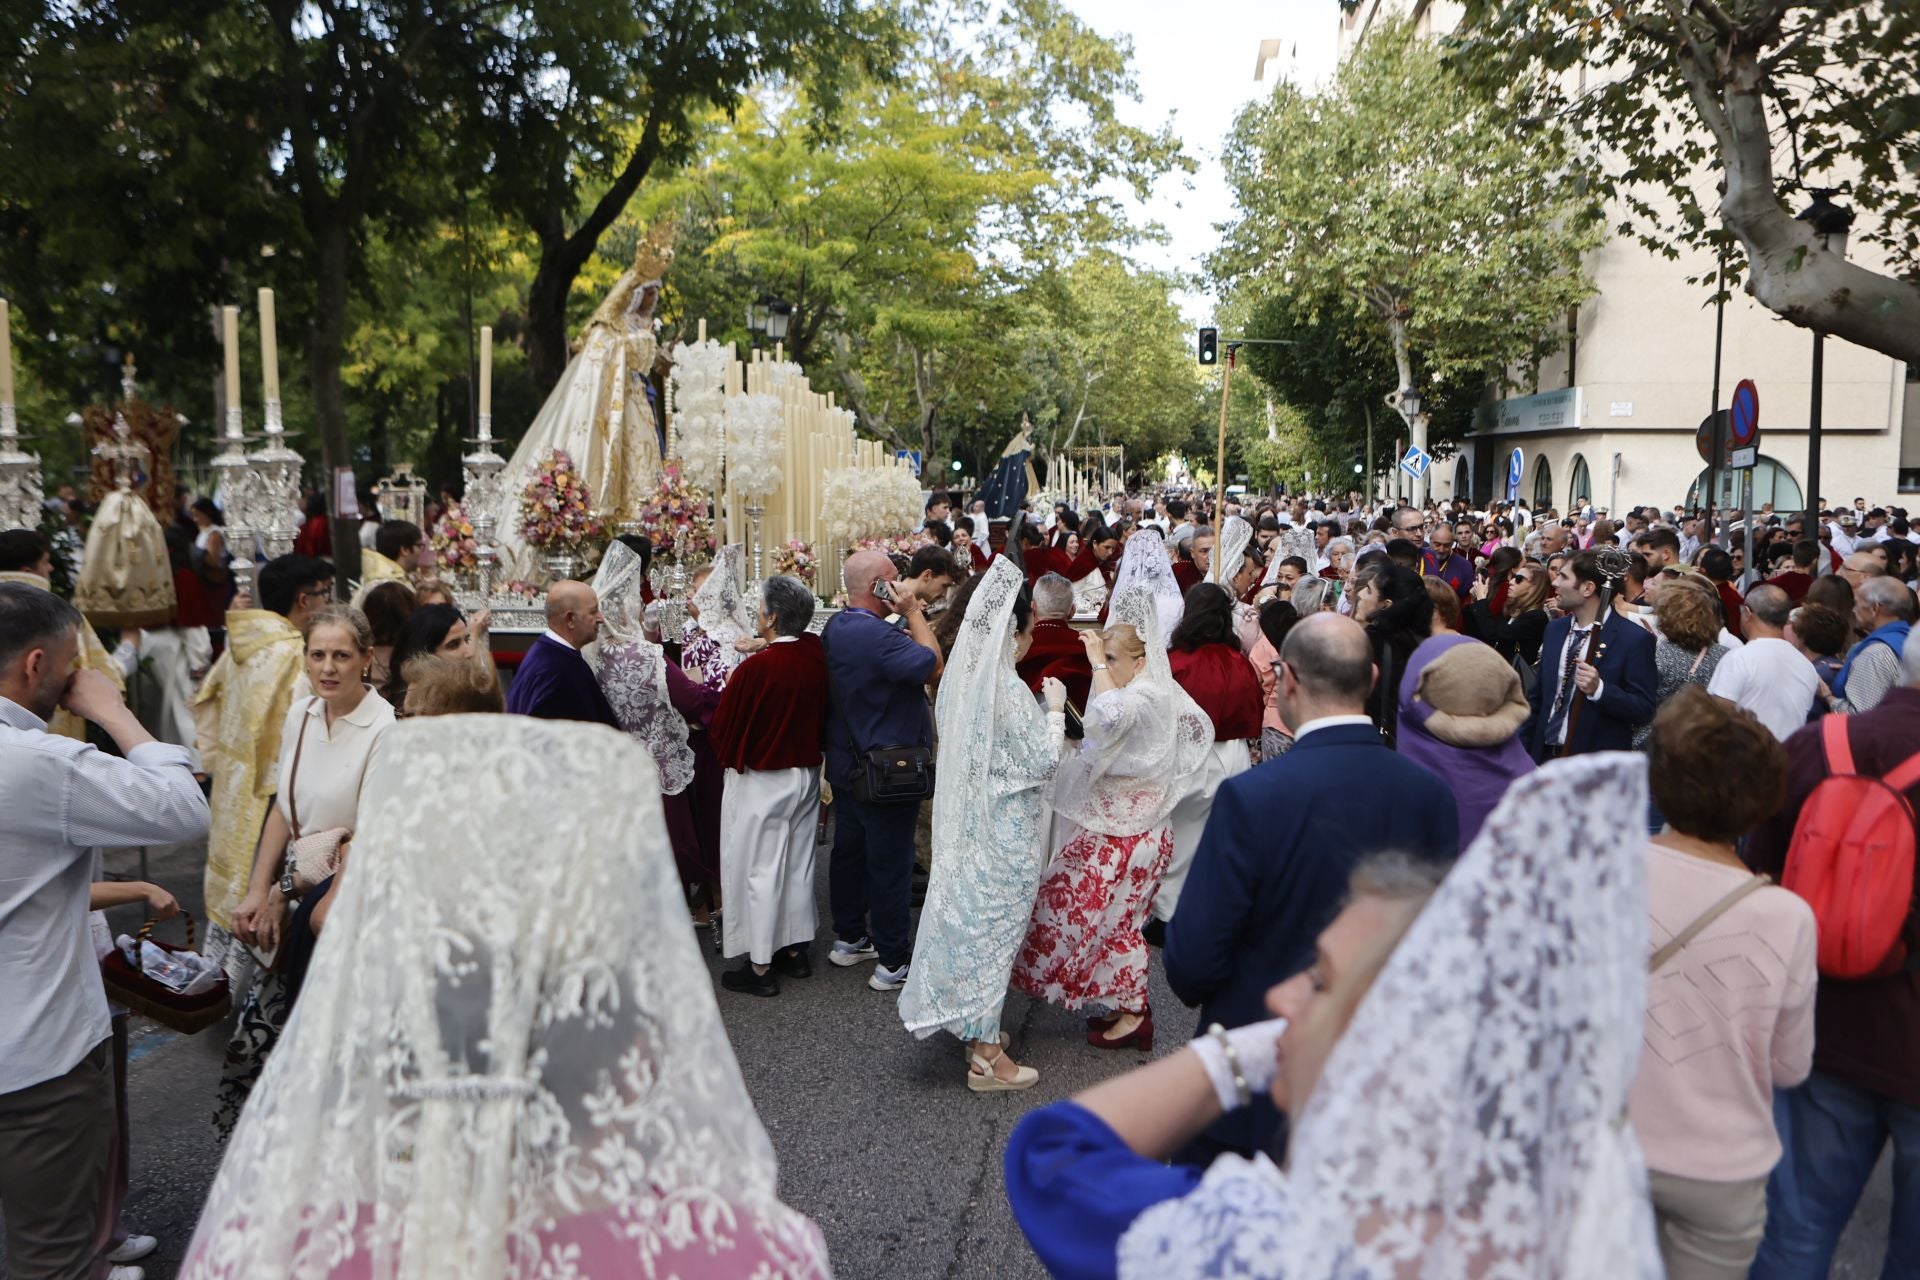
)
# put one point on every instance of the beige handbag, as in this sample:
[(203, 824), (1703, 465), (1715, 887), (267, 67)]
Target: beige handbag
[(310, 857)]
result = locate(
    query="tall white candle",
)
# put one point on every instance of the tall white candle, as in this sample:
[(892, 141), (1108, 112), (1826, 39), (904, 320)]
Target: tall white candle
[(6, 354), (269, 348), (486, 369), (230, 342)]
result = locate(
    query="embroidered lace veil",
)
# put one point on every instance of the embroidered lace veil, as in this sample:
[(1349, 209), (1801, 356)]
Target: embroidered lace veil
[(633, 670)]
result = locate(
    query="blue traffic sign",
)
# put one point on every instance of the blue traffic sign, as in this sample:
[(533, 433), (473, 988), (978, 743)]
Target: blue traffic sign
[(1416, 462), (1516, 467), (910, 456)]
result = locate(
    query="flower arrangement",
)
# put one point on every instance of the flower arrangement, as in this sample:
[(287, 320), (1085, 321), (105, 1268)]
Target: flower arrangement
[(862, 503), (904, 546), (556, 510), (796, 559), (755, 450), (699, 408), (454, 543), (677, 511)]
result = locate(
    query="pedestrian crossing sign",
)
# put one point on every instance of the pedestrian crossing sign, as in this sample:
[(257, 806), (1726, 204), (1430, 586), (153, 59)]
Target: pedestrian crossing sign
[(1416, 462)]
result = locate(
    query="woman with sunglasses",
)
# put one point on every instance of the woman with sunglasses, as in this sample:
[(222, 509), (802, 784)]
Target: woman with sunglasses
[(1520, 624)]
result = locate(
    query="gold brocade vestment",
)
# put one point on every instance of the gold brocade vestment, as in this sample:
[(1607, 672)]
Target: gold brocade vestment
[(238, 713)]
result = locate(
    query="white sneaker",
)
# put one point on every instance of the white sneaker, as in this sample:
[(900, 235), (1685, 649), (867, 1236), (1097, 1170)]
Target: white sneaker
[(885, 979), (133, 1248), (127, 1273), (848, 954)]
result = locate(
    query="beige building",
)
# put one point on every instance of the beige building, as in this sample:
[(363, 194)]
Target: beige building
[(1614, 416)]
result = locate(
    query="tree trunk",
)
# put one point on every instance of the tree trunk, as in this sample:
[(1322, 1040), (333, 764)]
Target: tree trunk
[(1787, 271), (325, 346), (1417, 424)]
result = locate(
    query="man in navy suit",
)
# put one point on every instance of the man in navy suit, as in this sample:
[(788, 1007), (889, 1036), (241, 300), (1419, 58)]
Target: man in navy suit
[(1273, 864), (554, 682), (1614, 690)]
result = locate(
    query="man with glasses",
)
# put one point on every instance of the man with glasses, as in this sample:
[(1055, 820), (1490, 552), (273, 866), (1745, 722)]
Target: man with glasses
[(237, 717)]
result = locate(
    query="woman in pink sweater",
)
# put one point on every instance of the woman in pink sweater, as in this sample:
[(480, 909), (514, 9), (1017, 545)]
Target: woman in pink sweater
[(1730, 993)]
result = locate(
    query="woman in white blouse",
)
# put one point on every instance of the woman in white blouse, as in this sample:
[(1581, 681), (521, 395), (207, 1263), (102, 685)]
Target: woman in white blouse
[(326, 746)]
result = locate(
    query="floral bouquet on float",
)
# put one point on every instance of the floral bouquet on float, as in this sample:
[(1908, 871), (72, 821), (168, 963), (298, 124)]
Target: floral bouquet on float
[(556, 509), (795, 559), (675, 518), (455, 546)]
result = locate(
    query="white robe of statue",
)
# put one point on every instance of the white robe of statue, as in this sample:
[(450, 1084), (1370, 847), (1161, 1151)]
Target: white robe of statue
[(598, 412)]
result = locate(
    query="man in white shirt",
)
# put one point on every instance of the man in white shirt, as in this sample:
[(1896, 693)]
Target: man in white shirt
[(1767, 675), (59, 800)]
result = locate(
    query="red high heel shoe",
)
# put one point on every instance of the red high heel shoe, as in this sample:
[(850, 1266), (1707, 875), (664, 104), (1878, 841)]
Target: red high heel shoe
[(1141, 1037)]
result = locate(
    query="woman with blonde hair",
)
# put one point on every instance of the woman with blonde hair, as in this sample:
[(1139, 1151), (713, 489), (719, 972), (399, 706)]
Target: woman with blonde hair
[(1687, 614), (326, 745), (1145, 747)]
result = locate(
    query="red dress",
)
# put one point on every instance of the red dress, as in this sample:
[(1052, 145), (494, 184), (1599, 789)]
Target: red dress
[(1084, 944)]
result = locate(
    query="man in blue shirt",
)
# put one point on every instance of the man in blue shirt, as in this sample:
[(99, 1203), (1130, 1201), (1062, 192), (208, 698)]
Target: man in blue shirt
[(876, 683)]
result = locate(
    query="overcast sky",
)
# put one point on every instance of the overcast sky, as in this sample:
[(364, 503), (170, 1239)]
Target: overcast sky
[(1195, 62)]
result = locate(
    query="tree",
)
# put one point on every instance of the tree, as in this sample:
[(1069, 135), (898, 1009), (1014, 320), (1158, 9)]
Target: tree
[(621, 96), (1837, 84), (1411, 198)]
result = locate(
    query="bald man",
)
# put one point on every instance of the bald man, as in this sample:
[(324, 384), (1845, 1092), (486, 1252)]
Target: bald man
[(554, 682), (877, 676), (1281, 841)]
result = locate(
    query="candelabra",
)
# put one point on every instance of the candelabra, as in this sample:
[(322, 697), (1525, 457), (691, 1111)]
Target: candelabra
[(233, 491), (20, 495), (482, 470), (277, 469), (673, 600)]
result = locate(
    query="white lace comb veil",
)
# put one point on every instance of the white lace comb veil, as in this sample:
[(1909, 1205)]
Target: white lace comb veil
[(1145, 743), (632, 670), (1236, 535), (1144, 565), (506, 1060), (723, 605), (1472, 1120), (976, 680)]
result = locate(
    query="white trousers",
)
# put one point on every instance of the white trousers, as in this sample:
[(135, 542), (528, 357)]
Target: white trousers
[(1189, 820), (766, 860)]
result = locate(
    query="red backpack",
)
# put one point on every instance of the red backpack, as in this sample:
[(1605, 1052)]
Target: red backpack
[(1852, 860)]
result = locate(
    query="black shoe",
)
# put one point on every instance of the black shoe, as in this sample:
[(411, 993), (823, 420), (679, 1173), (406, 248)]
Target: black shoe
[(792, 962), (747, 982), (1155, 933)]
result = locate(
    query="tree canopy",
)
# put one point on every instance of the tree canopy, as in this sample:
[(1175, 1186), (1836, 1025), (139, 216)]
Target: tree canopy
[(1776, 96)]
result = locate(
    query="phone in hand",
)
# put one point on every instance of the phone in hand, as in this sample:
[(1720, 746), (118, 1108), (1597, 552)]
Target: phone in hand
[(883, 590)]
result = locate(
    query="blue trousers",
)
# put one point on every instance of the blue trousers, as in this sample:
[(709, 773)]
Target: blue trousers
[(1833, 1134), (870, 877)]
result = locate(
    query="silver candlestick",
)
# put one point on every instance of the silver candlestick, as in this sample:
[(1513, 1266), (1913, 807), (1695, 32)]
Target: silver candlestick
[(234, 476), (482, 470), (755, 509), (20, 493), (278, 470)]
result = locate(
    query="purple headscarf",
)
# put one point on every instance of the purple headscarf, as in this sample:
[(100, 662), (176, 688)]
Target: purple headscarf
[(1477, 776)]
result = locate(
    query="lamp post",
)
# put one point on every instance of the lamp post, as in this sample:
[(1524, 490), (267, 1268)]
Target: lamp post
[(1829, 223), (756, 323), (779, 320), (1409, 406)]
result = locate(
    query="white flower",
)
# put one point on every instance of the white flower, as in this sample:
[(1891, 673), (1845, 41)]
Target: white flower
[(861, 503), (755, 451), (699, 381)]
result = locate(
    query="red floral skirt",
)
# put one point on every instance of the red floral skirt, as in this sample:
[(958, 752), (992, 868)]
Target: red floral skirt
[(1083, 944)]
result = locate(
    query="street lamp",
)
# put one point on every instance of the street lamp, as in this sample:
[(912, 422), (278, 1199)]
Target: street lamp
[(1829, 223), (756, 322), (779, 317)]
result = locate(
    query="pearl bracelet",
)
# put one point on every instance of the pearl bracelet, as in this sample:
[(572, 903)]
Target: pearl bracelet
[(1219, 1033)]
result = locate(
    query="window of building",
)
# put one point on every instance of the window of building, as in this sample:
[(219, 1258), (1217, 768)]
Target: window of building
[(1581, 490), (1542, 484), (1772, 482), (1462, 478)]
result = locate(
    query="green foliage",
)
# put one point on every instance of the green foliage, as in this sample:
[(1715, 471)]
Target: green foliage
[(1837, 84), (1402, 226)]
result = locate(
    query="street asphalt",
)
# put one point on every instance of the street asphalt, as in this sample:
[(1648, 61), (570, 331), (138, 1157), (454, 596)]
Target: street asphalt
[(878, 1138)]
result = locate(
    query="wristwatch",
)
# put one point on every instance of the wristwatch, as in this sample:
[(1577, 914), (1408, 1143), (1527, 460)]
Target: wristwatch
[(287, 886)]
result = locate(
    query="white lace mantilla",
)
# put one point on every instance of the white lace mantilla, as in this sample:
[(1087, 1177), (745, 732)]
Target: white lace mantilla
[(506, 1060), (1146, 744), (1144, 566), (632, 670), (1471, 1122)]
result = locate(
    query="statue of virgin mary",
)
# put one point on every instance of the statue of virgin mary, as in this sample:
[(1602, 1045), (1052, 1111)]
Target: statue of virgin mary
[(601, 411)]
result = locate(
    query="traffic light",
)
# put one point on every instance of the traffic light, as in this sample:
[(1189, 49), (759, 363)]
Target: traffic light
[(1209, 346)]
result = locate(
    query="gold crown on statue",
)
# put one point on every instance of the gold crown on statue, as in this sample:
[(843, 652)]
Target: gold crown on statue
[(654, 254)]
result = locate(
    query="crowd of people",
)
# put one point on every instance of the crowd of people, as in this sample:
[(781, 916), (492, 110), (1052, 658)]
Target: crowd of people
[(1511, 864)]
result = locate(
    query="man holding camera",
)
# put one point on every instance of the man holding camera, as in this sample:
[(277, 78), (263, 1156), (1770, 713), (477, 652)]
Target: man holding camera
[(876, 713)]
